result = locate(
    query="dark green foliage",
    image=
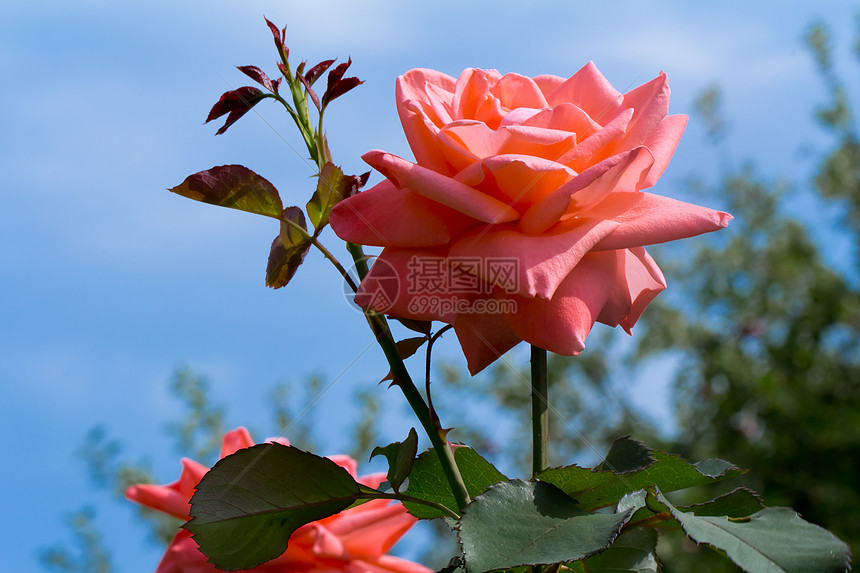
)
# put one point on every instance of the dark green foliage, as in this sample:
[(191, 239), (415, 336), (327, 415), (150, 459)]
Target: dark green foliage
[(247, 506), (518, 523)]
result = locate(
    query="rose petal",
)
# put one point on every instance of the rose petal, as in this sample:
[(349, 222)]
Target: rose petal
[(522, 180), (593, 143), (374, 532), (440, 188), (386, 216), (540, 142), (542, 261), (638, 281), (424, 96), (650, 104), (662, 143), (563, 117), (516, 90), (409, 283), (547, 83), (466, 141), (421, 134), (619, 173), (647, 219), (643, 287), (562, 323), (591, 92), (235, 440), (485, 337), (473, 97), (172, 498)]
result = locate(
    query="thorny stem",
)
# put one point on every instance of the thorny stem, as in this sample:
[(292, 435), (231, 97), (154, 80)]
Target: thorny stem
[(430, 423), (430, 341)]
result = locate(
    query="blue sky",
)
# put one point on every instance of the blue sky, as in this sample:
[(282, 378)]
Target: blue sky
[(109, 282)]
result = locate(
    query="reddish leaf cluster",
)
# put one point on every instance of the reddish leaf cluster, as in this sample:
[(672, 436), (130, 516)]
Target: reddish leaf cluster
[(236, 103)]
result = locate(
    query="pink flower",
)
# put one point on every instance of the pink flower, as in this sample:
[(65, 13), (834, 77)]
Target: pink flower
[(355, 540), (523, 216)]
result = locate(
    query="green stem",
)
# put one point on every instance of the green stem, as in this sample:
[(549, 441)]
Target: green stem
[(540, 410), (326, 253), (431, 425), (403, 497)]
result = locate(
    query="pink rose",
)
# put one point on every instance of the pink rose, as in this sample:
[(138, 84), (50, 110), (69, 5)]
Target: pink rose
[(355, 540), (522, 217)]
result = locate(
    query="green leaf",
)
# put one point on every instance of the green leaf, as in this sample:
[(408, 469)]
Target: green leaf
[(233, 186), (427, 481), (332, 187), (288, 249), (773, 540), (626, 455), (247, 506), (669, 472), (517, 523), (634, 551), (741, 502), (401, 457)]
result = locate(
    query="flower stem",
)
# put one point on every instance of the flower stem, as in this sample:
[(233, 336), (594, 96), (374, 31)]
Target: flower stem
[(379, 326), (540, 411), (429, 421)]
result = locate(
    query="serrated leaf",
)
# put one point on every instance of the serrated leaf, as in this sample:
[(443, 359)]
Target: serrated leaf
[(740, 502), (517, 523), (427, 481), (332, 187), (401, 456), (247, 506), (669, 472), (288, 249), (634, 551), (773, 540), (626, 455), (237, 103), (233, 186)]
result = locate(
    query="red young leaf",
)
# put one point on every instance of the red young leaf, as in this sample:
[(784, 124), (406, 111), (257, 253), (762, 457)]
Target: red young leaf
[(341, 88), (280, 36), (237, 103), (260, 77), (336, 74), (315, 72), (362, 179), (337, 86), (314, 97)]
